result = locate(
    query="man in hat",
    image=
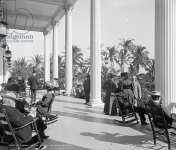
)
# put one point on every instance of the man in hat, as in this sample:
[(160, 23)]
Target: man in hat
[(19, 119), (109, 87), (155, 101), (138, 103), (33, 83), (86, 86)]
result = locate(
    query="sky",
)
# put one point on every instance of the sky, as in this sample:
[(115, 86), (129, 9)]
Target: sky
[(120, 19)]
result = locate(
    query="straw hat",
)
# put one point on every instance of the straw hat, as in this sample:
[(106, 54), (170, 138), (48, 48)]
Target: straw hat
[(156, 93)]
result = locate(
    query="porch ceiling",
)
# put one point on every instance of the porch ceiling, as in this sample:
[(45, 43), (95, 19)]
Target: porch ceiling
[(35, 15)]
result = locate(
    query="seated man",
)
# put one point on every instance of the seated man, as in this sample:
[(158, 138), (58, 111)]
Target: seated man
[(10, 97), (155, 100), (18, 119), (44, 106)]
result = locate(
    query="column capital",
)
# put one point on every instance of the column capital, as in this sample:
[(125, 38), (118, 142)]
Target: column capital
[(68, 8), (53, 23), (45, 32)]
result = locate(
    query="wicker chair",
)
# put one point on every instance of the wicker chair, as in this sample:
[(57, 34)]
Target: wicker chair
[(161, 124), (8, 131)]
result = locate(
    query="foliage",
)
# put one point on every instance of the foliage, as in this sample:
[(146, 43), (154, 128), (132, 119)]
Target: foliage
[(140, 58), (114, 60), (80, 68), (124, 53), (21, 68), (61, 72), (38, 63), (150, 68)]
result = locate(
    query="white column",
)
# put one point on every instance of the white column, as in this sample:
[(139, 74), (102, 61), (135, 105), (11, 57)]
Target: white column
[(1, 65), (165, 47), (47, 60), (54, 54), (95, 53), (68, 49)]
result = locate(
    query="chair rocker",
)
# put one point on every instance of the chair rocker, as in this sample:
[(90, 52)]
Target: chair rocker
[(127, 112)]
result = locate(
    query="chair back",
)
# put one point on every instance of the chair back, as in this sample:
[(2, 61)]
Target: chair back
[(6, 127), (160, 122), (159, 117), (8, 132)]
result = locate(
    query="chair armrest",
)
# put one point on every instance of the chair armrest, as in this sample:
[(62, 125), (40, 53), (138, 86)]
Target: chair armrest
[(29, 123)]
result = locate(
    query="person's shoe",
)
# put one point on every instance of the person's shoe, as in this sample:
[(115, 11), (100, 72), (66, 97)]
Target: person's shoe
[(144, 123), (45, 136), (89, 104), (41, 147)]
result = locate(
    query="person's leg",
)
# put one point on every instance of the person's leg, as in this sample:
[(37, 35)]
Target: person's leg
[(141, 113), (87, 99), (106, 107), (35, 93), (110, 104), (32, 96), (41, 126)]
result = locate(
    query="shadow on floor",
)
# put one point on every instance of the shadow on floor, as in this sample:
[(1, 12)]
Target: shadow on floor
[(143, 141), (58, 145), (84, 109), (85, 117), (68, 102)]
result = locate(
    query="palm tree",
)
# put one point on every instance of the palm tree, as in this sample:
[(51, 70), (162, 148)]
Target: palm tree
[(21, 68), (112, 55), (77, 64), (124, 54), (140, 57), (61, 62), (77, 55), (38, 65), (61, 71), (104, 56), (37, 61), (150, 68)]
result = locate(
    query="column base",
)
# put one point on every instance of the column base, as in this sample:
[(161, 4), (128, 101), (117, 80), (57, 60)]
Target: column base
[(172, 108), (96, 102), (173, 111), (67, 93)]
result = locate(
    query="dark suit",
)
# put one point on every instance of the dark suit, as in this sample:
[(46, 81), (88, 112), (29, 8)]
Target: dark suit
[(17, 119), (47, 99), (33, 86), (45, 104), (109, 86), (86, 86)]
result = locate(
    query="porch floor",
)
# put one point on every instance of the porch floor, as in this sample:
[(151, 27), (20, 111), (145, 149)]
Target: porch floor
[(80, 127)]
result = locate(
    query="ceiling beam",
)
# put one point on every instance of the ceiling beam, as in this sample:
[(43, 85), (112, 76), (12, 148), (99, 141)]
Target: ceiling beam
[(34, 16), (49, 2), (18, 27), (56, 17)]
